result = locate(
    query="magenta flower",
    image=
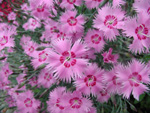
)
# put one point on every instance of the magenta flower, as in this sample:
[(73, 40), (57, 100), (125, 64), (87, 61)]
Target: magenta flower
[(108, 57), (109, 20), (69, 4), (70, 23), (93, 3), (46, 78), (132, 78), (91, 83), (26, 103), (66, 59), (95, 39)]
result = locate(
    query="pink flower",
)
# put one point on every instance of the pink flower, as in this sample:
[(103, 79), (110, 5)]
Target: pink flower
[(58, 100), (69, 4), (6, 39), (109, 20), (132, 78), (118, 2), (40, 9), (91, 83), (142, 6), (26, 103), (113, 84), (31, 24), (70, 23), (109, 57), (41, 57), (139, 31), (93, 3), (12, 16), (66, 59), (103, 95), (51, 30), (78, 104), (5, 71), (46, 79), (30, 48), (94, 39)]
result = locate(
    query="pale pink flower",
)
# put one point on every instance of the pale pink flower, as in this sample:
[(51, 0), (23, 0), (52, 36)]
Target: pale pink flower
[(58, 100), (21, 78), (32, 24), (25, 7), (108, 57), (91, 83), (93, 3), (24, 40), (46, 79), (109, 20), (40, 57), (26, 103), (139, 31), (12, 16), (66, 59), (11, 101), (71, 23), (33, 81), (132, 78), (95, 39), (69, 4)]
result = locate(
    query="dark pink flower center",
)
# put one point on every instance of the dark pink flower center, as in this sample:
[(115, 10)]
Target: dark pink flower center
[(90, 80), (75, 102), (95, 39), (34, 22), (40, 8), (53, 29), (58, 104), (110, 21), (141, 32), (28, 102), (71, 1), (115, 82), (31, 49), (6, 72), (68, 59), (34, 80), (61, 35), (72, 21), (135, 79), (103, 92), (42, 56), (48, 76), (3, 40), (148, 10)]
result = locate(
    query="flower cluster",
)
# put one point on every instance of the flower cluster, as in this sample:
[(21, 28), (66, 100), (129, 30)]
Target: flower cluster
[(55, 58)]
